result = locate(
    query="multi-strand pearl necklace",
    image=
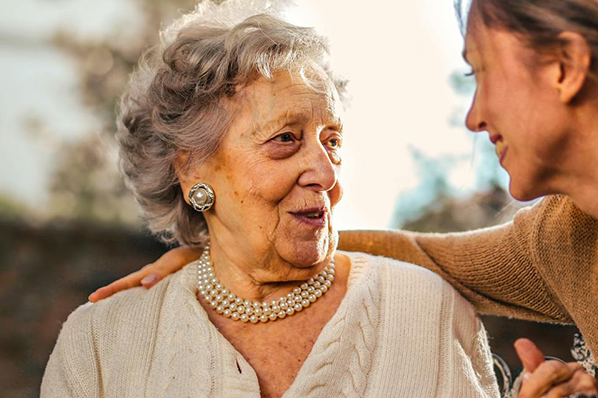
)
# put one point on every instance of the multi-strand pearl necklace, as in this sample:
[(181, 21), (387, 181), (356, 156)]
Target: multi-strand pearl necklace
[(228, 304)]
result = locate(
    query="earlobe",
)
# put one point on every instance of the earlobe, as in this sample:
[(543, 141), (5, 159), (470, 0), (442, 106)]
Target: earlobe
[(574, 59), (198, 195), (182, 172)]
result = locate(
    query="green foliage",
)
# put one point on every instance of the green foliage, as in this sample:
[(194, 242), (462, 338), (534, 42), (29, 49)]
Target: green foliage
[(11, 207)]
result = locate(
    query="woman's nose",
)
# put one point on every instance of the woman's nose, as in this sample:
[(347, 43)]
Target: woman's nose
[(320, 173), (474, 120)]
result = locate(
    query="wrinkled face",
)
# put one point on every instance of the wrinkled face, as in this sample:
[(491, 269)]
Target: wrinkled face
[(517, 104), (276, 173)]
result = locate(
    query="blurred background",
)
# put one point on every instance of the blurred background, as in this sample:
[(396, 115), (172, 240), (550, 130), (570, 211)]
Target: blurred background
[(68, 224)]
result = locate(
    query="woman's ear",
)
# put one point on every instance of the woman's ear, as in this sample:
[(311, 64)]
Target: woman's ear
[(574, 59), (182, 169)]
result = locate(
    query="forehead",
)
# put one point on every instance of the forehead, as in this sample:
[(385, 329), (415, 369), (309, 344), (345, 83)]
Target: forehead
[(476, 39), (492, 45), (288, 96)]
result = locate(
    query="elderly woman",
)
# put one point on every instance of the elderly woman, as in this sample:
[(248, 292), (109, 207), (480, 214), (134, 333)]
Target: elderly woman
[(232, 136)]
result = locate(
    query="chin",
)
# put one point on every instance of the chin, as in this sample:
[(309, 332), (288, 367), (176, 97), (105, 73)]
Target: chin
[(523, 192), (306, 254)]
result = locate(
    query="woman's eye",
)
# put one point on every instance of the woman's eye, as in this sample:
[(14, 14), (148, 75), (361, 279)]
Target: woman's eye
[(285, 137), (335, 143), (470, 73)]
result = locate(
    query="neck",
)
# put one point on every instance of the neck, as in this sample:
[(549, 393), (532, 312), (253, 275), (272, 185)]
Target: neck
[(584, 196), (579, 178), (255, 277)]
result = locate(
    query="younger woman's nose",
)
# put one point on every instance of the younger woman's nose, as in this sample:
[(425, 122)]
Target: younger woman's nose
[(474, 120)]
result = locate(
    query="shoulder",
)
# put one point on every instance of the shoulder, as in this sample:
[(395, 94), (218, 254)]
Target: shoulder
[(132, 306), (557, 211), (393, 270), (93, 336), (417, 296), (126, 321), (95, 328), (559, 232), (408, 283), (115, 339)]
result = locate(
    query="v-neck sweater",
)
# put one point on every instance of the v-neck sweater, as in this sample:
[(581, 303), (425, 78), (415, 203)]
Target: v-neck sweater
[(400, 330)]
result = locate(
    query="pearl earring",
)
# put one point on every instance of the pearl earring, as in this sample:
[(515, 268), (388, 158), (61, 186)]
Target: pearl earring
[(201, 197)]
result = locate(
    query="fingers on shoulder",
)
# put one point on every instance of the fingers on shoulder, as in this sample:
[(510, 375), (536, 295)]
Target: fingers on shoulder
[(124, 283)]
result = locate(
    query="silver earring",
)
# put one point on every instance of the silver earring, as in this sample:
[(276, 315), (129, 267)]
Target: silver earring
[(201, 197)]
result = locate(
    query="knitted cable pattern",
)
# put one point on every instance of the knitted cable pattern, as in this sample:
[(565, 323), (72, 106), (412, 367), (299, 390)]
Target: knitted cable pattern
[(344, 361)]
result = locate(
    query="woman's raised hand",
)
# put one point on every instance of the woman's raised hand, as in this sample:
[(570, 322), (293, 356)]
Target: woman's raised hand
[(551, 378), (151, 274)]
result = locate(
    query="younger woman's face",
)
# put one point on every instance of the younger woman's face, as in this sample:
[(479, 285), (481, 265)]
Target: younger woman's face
[(517, 103)]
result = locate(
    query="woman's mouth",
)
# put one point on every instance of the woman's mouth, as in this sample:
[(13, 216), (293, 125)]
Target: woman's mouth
[(501, 150), (315, 217)]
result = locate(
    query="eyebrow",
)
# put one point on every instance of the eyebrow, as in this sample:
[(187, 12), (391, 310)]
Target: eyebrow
[(291, 118), (282, 120)]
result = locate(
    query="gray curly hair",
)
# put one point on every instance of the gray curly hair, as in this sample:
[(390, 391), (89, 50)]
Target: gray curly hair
[(175, 101)]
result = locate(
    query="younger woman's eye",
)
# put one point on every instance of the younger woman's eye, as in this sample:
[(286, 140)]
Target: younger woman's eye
[(470, 73), (335, 143)]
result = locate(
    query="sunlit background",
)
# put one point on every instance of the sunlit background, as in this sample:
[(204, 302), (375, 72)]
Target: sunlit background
[(64, 62), (68, 224)]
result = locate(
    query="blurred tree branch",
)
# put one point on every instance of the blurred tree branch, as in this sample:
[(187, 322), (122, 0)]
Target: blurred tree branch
[(85, 183)]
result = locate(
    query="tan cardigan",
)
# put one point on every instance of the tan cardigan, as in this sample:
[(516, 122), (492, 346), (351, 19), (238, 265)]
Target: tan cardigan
[(541, 266), (400, 331)]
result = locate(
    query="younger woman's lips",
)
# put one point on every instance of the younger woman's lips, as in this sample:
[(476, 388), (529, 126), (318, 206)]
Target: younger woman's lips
[(503, 154)]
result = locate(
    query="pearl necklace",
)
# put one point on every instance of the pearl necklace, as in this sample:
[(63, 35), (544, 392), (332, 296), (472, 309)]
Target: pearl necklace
[(228, 304)]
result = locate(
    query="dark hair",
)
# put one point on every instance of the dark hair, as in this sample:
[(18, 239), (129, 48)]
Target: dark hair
[(537, 22)]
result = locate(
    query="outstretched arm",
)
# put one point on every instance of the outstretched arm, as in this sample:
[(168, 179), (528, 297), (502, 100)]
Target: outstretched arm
[(498, 269), (489, 267)]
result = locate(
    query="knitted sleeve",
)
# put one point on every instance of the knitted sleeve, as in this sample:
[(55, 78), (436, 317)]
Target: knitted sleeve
[(56, 381), (72, 368), (107, 348), (496, 269)]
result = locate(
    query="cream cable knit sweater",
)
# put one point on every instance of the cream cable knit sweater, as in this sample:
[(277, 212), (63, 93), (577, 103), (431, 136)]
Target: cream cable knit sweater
[(400, 331)]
